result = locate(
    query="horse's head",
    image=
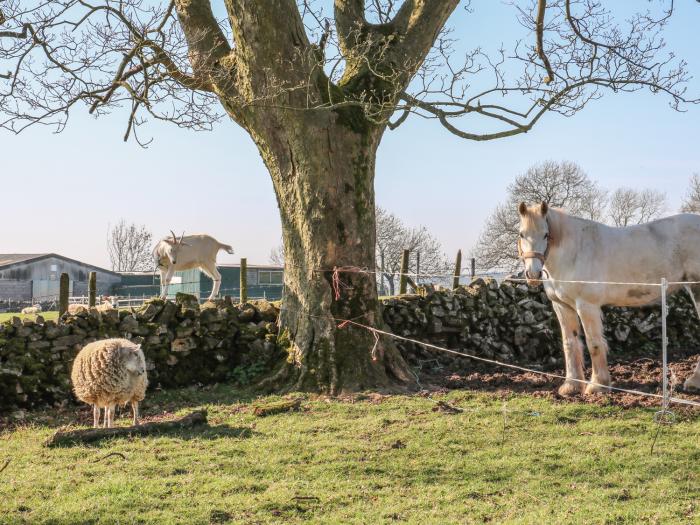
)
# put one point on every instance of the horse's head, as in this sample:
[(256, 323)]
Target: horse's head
[(534, 239)]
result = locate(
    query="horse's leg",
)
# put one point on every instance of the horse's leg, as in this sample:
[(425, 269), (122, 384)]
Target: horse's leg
[(592, 320), (693, 382), (573, 350)]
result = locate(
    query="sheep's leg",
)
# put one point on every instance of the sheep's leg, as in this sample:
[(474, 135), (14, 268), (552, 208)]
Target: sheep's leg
[(95, 416), (211, 270), (109, 423), (135, 410)]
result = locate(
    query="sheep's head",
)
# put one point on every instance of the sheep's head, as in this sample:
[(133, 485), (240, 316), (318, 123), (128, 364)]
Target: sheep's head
[(173, 246), (133, 358)]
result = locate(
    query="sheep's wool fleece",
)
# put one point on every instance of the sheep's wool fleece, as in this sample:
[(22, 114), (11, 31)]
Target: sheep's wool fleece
[(100, 376)]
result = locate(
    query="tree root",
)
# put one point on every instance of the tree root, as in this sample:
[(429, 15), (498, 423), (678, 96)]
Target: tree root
[(97, 434)]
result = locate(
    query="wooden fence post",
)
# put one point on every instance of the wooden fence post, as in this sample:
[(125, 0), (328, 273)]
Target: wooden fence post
[(404, 270), (244, 280), (417, 268), (458, 270), (63, 291), (92, 289), (473, 267)]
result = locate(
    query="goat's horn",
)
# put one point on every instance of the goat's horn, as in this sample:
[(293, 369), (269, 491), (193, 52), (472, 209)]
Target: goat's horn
[(182, 237), (174, 236)]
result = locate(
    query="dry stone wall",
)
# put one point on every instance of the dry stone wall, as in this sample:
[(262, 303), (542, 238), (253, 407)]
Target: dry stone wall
[(184, 344), (515, 323)]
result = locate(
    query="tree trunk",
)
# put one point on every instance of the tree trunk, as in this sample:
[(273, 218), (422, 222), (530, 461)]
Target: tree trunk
[(322, 166)]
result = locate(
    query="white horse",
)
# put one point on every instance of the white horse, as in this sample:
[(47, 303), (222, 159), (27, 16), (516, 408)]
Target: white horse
[(574, 249)]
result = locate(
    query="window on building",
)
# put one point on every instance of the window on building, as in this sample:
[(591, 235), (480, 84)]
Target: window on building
[(252, 277), (270, 277)]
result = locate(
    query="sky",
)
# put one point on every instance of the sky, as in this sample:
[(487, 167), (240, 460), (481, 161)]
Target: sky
[(61, 192)]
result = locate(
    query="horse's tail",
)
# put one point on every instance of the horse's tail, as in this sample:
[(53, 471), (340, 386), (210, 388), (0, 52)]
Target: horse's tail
[(226, 247)]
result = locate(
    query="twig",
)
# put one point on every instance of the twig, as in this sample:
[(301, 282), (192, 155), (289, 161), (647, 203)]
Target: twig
[(656, 436), (503, 437), (447, 408), (110, 455), (7, 462)]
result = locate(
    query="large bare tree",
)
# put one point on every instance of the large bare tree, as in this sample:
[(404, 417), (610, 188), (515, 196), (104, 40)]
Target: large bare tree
[(129, 247), (316, 91)]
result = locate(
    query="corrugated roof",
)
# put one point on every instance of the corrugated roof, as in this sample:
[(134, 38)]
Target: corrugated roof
[(8, 259), (11, 258)]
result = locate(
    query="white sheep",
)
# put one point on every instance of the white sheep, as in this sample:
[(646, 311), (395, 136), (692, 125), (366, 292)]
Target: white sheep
[(77, 308), (107, 373), (31, 309), (106, 306)]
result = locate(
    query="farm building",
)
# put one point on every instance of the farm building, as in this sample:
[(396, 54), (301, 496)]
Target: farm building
[(35, 277), (263, 282)]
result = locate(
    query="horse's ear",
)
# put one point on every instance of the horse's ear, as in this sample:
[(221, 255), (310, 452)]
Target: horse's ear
[(544, 208), (522, 209)]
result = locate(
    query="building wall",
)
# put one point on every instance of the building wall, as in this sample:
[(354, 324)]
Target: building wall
[(197, 283), (43, 277), (15, 290)]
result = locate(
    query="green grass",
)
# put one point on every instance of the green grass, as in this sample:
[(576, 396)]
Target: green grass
[(384, 460), (46, 315)]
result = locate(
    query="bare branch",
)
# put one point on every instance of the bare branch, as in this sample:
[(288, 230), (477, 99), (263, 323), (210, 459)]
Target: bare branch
[(541, 8)]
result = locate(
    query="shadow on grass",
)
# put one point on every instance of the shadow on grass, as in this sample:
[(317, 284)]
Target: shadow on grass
[(199, 432)]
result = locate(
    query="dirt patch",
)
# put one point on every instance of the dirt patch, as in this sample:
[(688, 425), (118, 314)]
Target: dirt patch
[(643, 375)]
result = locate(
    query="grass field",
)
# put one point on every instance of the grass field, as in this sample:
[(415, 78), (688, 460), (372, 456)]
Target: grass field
[(372, 460), (46, 315)]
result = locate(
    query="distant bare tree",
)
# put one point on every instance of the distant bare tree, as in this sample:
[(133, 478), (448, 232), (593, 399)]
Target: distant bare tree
[(276, 256), (691, 202), (393, 237), (561, 184), (629, 206), (129, 247)]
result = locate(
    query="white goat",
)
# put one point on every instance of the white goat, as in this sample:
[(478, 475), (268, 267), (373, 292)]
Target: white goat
[(191, 251), (32, 309)]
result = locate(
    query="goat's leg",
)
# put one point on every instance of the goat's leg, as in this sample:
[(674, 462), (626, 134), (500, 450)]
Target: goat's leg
[(573, 349), (165, 278), (211, 270), (592, 320)]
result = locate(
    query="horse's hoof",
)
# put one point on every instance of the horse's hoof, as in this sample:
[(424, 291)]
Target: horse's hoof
[(597, 389), (571, 388)]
